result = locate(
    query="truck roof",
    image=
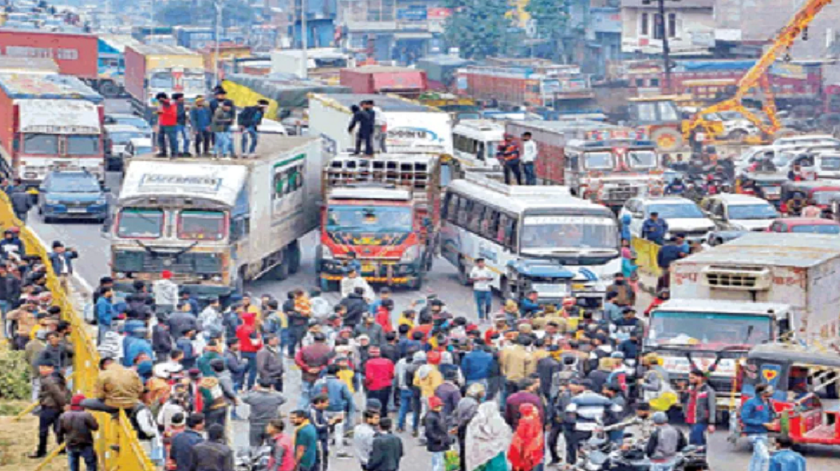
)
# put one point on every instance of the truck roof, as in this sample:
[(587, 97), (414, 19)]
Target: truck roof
[(28, 65), (162, 49), (46, 86), (270, 145), (369, 193), (771, 249), (562, 127), (383, 102), (712, 306)]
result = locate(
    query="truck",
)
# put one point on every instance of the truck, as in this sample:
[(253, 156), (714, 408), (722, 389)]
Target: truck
[(49, 121), (601, 162), (112, 63), (547, 85), (402, 125), (401, 81), (216, 224), (195, 37), (151, 69), (387, 211), (762, 287), (320, 62)]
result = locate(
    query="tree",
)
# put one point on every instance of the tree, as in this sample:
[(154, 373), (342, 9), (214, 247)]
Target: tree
[(477, 27), (551, 18), (186, 12), (176, 13)]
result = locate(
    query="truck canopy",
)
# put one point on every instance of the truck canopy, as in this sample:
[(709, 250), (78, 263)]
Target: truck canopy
[(217, 182), (771, 249), (287, 91), (162, 56), (59, 117), (55, 87)]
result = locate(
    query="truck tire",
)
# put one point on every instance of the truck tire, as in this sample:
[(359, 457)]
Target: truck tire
[(293, 256), (240, 281), (109, 89), (281, 271), (327, 285), (417, 283)]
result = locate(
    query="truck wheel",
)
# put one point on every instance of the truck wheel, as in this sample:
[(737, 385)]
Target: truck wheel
[(109, 89), (240, 281), (327, 285), (281, 272), (463, 276), (417, 283), (293, 256)]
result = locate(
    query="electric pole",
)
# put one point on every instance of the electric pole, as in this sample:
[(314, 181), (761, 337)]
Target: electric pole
[(219, 7), (666, 50), (304, 37)]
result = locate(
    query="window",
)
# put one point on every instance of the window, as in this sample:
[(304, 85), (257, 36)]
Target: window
[(202, 225), (644, 26), (640, 82), (464, 207), (672, 25), (450, 209), (654, 82), (657, 26), (475, 218), (46, 144), (140, 223), (82, 145), (288, 181), (491, 222)]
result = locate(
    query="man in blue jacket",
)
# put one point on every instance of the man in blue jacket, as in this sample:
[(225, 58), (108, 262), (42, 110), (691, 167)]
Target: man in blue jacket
[(477, 364), (655, 228), (183, 443), (135, 343), (758, 417), (340, 404), (200, 117), (786, 459), (104, 312)]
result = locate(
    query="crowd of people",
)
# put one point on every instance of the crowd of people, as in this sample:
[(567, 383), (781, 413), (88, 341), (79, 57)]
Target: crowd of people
[(210, 123)]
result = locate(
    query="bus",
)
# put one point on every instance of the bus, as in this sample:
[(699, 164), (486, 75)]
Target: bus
[(475, 142), (532, 238)]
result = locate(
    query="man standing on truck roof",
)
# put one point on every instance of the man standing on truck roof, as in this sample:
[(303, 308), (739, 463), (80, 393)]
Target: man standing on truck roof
[(222, 121), (529, 157), (365, 117), (249, 119), (200, 118), (509, 153), (167, 114), (181, 121)]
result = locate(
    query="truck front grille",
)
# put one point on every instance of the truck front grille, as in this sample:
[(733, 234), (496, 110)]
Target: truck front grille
[(740, 278), (622, 193)]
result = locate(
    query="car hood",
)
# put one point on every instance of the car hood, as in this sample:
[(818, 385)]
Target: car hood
[(693, 224), (752, 224), (81, 197)]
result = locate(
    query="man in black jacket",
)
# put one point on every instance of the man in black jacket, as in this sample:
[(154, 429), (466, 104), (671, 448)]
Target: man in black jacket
[(356, 307), (212, 454), (21, 203), (181, 451), (437, 435), (249, 119), (365, 117), (78, 426), (387, 449)]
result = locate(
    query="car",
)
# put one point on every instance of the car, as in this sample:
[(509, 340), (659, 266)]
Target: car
[(722, 237), (807, 140), (119, 135), (138, 146), (681, 214), (735, 212), (805, 225), (131, 120), (72, 194)]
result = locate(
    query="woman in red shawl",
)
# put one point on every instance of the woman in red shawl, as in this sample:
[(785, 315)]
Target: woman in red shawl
[(527, 447)]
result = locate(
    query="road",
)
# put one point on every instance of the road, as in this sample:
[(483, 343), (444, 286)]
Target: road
[(93, 263)]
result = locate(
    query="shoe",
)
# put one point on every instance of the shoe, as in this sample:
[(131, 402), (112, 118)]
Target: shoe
[(36, 455), (415, 433), (160, 155), (400, 429), (186, 154), (343, 455)]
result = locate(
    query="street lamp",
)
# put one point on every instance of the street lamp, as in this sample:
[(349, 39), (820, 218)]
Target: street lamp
[(304, 41), (666, 49)]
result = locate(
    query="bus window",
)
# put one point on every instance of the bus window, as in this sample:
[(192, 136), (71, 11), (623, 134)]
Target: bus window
[(479, 151), (491, 223), (510, 233), (464, 208), (475, 218)]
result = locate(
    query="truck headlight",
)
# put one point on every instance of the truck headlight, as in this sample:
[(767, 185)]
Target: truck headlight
[(216, 278), (411, 254), (101, 201), (49, 200)]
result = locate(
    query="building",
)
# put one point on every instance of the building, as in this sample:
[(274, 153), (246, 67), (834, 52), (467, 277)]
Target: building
[(688, 24)]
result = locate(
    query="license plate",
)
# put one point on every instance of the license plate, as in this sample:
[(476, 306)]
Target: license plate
[(76, 210), (578, 286), (548, 289)]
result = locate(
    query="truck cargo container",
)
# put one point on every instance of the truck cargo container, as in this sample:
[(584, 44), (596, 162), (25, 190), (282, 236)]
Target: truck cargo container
[(75, 54), (217, 224), (524, 86), (402, 125), (151, 69), (320, 62), (49, 121), (112, 63), (383, 79), (195, 37)]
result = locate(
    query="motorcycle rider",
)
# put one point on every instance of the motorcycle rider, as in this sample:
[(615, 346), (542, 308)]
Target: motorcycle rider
[(585, 410), (664, 444)]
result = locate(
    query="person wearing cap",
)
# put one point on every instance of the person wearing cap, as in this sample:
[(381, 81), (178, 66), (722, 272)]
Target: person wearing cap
[(12, 247), (269, 362), (200, 119), (312, 361), (654, 229), (53, 396), (78, 426), (379, 376), (664, 444), (165, 292), (438, 440), (61, 259), (759, 418)]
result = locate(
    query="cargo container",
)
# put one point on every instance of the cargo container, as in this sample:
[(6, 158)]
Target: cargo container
[(49, 121), (217, 224), (321, 62), (524, 86), (151, 69), (195, 37), (112, 63), (75, 54), (383, 79)]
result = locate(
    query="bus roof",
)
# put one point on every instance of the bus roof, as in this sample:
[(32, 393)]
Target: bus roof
[(480, 128)]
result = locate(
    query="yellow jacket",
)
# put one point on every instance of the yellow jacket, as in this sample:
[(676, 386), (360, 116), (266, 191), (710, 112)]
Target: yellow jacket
[(428, 384), (517, 363)]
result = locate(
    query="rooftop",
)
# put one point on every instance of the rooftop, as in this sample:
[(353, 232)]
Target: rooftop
[(49, 86), (162, 49), (383, 102), (270, 145), (771, 249)]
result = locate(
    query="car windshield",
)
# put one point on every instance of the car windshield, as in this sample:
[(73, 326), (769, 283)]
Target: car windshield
[(752, 211), (140, 223), (642, 159), (73, 184), (137, 122), (201, 225), (830, 163), (675, 211), (40, 144), (816, 229), (82, 145), (122, 138), (369, 219), (598, 160), (577, 232), (707, 330)]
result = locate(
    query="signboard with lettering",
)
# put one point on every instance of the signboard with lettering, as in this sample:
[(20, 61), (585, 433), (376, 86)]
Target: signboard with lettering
[(75, 54)]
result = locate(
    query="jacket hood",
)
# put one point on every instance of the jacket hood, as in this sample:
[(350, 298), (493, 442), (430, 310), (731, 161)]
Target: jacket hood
[(419, 357), (249, 318), (626, 219)]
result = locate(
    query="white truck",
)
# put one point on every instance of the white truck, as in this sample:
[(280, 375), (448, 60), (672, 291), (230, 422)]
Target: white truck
[(217, 224), (403, 126), (762, 287)]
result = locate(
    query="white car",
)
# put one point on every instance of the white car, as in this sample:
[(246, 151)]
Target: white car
[(682, 215), (138, 146), (119, 135), (732, 212)]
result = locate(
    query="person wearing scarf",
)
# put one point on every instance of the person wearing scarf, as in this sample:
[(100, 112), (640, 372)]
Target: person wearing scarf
[(488, 436), (527, 447)]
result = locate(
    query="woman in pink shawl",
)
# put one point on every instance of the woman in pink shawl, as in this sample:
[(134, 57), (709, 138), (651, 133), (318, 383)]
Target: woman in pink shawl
[(527, 447), (488, 436)]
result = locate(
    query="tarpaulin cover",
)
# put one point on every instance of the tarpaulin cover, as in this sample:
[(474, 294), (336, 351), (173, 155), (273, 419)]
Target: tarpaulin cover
[(281, 91)]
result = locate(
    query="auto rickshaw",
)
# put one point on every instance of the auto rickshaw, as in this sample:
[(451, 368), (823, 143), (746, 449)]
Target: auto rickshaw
[(797, 195), (804, 380), (766, 185)]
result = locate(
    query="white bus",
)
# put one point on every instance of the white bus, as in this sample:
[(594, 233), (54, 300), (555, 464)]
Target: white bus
[(475, 142), (531, 237)]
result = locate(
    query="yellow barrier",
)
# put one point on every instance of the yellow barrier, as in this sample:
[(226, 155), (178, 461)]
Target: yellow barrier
[(129, 454), (646, 252)]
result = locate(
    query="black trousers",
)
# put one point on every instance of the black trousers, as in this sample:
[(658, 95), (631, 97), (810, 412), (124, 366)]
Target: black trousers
[(368, 139), (48, 418), (382, 395), (296, 335), (203, 142), (512, 167), (553, 435), (573, 438)]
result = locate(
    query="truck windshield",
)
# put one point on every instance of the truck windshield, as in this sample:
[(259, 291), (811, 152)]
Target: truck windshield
[(161, 80), (201, 225), (707, 330), (576, 232), (40, 144), (642, 159), (752, 211), (825, 197), (82, 145), (369, 219), (194, 83), (830, 163), (140, 223), (599, 160)]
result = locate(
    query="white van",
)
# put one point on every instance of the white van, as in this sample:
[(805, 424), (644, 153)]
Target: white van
[(475, 142)]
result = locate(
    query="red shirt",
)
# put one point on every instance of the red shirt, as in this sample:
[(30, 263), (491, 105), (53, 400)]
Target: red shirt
[(379, 373), (383, 318), (168, 114)]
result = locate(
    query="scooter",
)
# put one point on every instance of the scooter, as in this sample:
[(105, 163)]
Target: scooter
[(252, 459)]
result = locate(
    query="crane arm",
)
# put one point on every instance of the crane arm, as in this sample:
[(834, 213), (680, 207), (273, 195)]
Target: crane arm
[(757, 75)]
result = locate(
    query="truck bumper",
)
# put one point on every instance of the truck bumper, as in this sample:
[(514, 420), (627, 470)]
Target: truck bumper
[(390, 274), (202, 292)]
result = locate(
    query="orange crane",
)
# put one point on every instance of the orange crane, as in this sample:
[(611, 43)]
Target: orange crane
[(757, 77)]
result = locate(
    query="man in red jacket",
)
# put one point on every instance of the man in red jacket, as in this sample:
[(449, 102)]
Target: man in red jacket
[(312, 360), (167, 115), (379, 376), (250, 342)]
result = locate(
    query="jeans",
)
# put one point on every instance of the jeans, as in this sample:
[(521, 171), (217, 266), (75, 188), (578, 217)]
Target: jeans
[(338, 428), (530, 174), (249, 132), (761, 454), (202, 142), (666, 466), (167, 133), (296, 334), (86, 454), (484, 302), (100, 333), (573, 440), (512, 167), (438, 461), (224, 143), (697, 434), (284, 340), (184, 135), (406, 401), (305, 395), (368, 140), (252, 368), (48, 419), (4, 308), (382, 396)]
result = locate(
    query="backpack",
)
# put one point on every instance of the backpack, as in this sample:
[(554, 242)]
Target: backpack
[(143, 421), (410, 371)]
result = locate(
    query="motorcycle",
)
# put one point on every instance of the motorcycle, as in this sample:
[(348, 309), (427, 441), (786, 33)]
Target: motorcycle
[(598, 453), (252, 459)]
